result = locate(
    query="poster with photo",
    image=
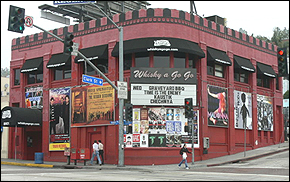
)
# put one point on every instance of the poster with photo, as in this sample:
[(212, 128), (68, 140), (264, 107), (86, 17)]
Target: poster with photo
[(136, 114), (265, 113), (144, 126), (173, 140), (59, 118), (217, 106), (34, 97), (136, 126), (243, 110), (157, 122)]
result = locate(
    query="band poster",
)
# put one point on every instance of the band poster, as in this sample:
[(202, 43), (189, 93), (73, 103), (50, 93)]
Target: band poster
[(265, 113), (59, 119), (243, 109), (217, 106), (161, 127), (34, 97), (92, 105)]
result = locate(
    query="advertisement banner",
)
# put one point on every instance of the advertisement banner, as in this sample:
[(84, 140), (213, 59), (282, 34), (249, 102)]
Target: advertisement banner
[(92, 105), (59, 118), (34, 97), (265, 113), (243, 109), (217, 106)]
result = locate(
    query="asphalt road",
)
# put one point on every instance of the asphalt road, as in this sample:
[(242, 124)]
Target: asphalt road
[(270, 168)]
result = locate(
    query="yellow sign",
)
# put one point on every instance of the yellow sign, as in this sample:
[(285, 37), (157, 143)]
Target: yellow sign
[(58, 146)]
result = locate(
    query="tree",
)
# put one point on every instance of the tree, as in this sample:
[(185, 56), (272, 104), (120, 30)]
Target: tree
[(280, 37), (5, 72)]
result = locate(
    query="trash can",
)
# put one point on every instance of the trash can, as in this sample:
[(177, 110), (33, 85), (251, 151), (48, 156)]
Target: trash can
[(38, 158)]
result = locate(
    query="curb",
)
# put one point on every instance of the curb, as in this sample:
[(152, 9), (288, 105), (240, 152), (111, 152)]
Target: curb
[(27, 164), (248, 158)]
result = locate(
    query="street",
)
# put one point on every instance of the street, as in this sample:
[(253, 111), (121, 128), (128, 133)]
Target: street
[(270, 168)]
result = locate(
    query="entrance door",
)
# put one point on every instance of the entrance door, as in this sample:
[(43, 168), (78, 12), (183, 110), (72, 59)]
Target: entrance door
[(33, 143)]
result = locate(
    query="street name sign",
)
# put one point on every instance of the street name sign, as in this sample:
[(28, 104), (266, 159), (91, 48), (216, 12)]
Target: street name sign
[(92, 80)]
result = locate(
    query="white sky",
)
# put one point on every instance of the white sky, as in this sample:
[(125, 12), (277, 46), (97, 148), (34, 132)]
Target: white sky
[(256, 17)]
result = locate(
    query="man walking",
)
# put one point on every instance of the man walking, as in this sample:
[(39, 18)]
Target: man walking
[(95, 153), (101, 150)]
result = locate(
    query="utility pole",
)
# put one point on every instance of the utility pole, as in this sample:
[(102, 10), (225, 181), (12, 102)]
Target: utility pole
[(121, 101)]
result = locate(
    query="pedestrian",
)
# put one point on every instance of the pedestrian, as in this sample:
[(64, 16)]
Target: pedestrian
[(183, 152), (101, 151), (95, 153)]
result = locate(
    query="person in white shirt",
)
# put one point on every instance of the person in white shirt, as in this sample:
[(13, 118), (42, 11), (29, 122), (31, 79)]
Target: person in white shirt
[(95, 153), (101, 150)]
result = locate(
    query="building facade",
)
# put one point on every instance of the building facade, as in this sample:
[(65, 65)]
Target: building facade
[(169, 55), (4, 102)]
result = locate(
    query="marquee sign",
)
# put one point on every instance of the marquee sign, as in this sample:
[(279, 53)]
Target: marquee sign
[(163, 75), (161, 94)]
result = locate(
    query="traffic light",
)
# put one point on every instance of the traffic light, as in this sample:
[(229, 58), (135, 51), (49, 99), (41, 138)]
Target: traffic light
[(68, 43), (282, 62), (128, 112), (188, 108), (16, 19)]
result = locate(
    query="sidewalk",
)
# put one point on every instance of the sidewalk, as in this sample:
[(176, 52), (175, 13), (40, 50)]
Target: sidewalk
[(251, 154)]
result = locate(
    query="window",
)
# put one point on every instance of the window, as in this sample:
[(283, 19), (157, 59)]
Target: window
[(34, 77), (17, 77), (142, 60), (127, 61), (263, 81), (215, 69), (191, 63), (241, 76), (219, 71), (179, 62), (161, 60), (277, 83), (62, 72)]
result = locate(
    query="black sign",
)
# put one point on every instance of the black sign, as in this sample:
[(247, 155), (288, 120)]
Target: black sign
[(163, 75)]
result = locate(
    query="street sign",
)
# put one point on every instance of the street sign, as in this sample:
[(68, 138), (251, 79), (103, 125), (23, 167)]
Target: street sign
[(72, 2), (122, 90), (92, 80), (75, 48), (28, 21)]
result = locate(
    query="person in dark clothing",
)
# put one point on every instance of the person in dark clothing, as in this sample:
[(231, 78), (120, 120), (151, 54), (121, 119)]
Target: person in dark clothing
[(183, 152), (65, 114), (54, 117)]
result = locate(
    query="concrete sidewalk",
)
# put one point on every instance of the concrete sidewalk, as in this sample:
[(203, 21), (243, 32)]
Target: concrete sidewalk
[(250, 154)]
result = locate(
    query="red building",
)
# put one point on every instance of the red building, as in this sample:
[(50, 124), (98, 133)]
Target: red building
[(169, 55)]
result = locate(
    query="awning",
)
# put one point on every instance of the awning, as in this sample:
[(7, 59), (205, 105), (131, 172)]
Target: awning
[(12, 116), (97, 52), (266, 70), (159, 44), (35, 64), (243, 63), (219, 56), (57, 60)]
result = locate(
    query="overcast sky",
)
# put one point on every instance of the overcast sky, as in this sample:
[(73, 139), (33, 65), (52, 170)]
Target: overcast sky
[(256, 17)]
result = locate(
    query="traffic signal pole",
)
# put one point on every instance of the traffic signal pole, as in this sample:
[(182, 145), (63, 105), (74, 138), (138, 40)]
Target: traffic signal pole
[(88, 61), (121, 101)]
